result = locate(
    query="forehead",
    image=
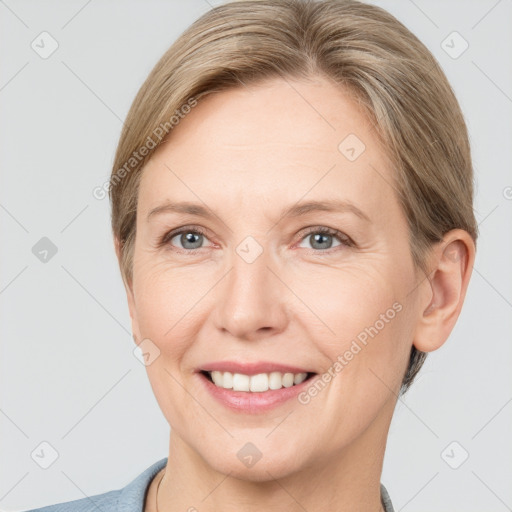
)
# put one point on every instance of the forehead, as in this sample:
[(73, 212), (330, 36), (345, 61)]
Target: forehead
[(274, 142)]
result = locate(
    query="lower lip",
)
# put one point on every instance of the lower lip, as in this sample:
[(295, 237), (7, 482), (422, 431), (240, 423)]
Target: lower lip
[(253, 402)]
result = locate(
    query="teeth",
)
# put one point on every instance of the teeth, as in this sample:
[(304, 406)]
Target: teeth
[(256, 383), (259, 383), (241, 382)]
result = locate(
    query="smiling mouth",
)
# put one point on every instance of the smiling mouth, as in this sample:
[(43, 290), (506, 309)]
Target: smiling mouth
[(258, 383)]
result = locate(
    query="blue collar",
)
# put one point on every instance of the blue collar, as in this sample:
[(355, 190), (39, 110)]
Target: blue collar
[(133, 496)]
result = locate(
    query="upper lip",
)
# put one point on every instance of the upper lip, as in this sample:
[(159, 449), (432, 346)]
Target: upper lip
[(251, 368)]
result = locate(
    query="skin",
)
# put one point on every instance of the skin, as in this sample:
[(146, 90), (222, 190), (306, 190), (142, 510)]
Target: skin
[(246, 154)]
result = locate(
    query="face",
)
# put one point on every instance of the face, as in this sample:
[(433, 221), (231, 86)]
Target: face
[(253, 282)]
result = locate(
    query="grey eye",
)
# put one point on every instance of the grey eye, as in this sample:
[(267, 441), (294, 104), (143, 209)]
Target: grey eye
[(320, 240), (189, 239)]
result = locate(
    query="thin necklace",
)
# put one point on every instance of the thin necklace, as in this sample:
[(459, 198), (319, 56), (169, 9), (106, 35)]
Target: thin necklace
[(157, 487)]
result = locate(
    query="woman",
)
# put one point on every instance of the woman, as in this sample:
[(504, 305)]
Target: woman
[(292, 214)]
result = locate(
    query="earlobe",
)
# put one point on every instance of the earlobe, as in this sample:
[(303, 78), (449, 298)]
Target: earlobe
[(451, 266)]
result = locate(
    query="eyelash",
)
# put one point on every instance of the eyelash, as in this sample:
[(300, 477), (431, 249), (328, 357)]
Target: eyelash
[(345, 241)]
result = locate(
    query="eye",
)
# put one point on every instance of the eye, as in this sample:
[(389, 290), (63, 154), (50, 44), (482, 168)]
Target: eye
[(321, 238), (186, 239)]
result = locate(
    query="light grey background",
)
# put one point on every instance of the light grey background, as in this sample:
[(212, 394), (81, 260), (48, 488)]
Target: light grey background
[(68, 373)]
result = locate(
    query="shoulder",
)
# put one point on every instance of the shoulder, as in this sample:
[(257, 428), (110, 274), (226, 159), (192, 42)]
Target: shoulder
[(106, 502), (127, 499), (385, 499)]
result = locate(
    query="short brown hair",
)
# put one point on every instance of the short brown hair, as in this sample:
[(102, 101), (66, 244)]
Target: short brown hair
[(359, 46)]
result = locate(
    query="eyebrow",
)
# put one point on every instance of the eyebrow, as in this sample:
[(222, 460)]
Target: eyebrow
[(296, 210)]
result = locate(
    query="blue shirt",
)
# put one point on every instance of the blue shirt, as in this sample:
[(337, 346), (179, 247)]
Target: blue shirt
[(132, 497)]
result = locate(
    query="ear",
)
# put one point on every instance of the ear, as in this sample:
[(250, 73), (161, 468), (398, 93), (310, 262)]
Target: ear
[(451, 265), (128, 286)]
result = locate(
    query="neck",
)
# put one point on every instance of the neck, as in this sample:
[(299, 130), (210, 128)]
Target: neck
[(346, 480)]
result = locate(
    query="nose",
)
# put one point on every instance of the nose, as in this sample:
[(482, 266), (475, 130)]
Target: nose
[(251, 301)]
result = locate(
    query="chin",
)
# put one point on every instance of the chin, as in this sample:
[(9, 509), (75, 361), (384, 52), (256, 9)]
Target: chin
[(252, 465)]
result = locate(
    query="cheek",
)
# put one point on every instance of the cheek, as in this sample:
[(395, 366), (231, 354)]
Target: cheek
[(166, 315), (347, 298), (363, 327), (162, 302), (172, 304)]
